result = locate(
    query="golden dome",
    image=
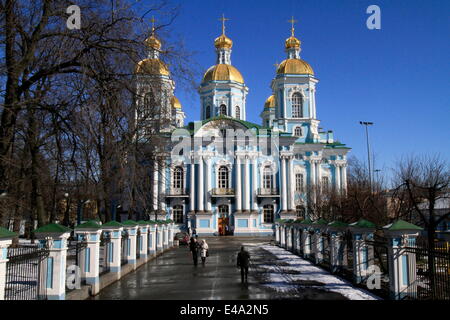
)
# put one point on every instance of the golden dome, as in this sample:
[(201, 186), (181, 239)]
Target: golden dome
[(294, 66), (153, 42), (175, 103), (223, 72), (292, 42), (223, 42), (270, 102), (152, 67)]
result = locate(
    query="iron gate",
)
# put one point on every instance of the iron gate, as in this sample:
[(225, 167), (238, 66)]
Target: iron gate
[(105, 253), (125, 248), (138, 244), (26, 273)]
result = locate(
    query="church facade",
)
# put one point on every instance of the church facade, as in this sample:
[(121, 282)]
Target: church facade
[(223, 175)]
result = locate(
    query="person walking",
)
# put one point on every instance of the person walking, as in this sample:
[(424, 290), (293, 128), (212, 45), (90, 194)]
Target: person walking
[(204, 251), (243, 261), (193, 247)]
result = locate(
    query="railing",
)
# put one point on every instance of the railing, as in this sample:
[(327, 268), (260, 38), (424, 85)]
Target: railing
[(138, 244), (105, 254), (26, 274), (75, 250), (124, 246), (223, 191), (177, 192), (268, 192)]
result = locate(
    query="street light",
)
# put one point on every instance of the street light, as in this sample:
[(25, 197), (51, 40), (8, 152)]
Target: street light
[(366, 123)]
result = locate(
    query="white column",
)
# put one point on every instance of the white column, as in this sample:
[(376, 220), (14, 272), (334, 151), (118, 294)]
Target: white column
[(143, 250), (114, 247), (291, 179), (283, 184), (313, 172), (208, 184), (238, 184), (192, 188), (247, 184), (90, 257), (131, 254), (152, 240), (338, 178), (254, 184), (4, 244), (344, 179), (319, 173), (155, 185), (200, 185), (162, 191)]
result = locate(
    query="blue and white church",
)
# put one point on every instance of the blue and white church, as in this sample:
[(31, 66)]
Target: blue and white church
[(218, 187)]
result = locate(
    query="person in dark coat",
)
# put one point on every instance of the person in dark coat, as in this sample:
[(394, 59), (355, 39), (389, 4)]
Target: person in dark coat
[(243, 261), (193, 246)]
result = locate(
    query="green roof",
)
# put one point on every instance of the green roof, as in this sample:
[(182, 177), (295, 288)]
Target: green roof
[(91, 224), (112, 224), (249, 125), (130, 223), (298, 220), (143, 222), (307, 221), (362, 223), (320, 222), (52, 227), (338, 224), (5, 233), (401, 225)]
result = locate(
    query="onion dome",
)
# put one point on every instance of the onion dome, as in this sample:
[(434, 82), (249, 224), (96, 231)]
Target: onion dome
[(175, 103), (292, 42), (270, 102), (223, 42), (152, 66), (295, 66), (153, 42), (223, 72)]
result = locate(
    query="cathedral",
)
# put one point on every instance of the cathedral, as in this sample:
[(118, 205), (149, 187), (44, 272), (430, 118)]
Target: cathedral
[(223, 175)]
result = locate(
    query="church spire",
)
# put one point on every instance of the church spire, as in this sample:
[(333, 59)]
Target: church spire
[(292, 43), (223, 45)]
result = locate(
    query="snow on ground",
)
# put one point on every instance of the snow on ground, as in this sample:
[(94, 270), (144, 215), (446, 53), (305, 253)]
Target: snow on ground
[(307, 272)]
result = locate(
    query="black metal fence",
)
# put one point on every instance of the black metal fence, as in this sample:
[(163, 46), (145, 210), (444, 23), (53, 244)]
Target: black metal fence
[(138, 244), (26, 273), (105, 253), (125, 248), (75, 252)]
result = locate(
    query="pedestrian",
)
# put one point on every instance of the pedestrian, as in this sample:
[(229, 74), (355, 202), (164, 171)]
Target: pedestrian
[(243, 261), (204, 251), (193, 247)]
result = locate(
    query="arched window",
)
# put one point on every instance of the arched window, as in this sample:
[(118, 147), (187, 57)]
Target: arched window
[(224, 182), (267, 178), (268, 213), (298, 131), (297, 105), (149, 103), (223, 211), (300, 210), (177, 214), (208, 112), (238, 112), (178, 178), (299, 182), (223, 110), (325, 183)]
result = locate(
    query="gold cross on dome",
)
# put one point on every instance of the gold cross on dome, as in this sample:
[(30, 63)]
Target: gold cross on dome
[(153, 20), (276, 64), (292, 21), (223, 19)]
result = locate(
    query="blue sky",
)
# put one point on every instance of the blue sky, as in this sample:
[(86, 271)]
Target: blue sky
[(397, 77)]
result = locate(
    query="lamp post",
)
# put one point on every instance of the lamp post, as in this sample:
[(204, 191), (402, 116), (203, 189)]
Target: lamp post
[(80, 210), (365, 123)]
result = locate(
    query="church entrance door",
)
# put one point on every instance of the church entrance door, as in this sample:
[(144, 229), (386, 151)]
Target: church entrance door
[(224, 220)]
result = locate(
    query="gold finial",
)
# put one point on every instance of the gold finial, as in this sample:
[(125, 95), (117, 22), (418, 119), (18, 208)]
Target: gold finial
[(276, 64), (292, 21), (153, 20), (223, 19)]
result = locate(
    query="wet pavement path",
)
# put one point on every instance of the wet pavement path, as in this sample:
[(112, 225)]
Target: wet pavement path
[(173, 276)]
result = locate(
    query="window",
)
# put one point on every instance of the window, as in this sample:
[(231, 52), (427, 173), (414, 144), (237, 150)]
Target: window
[(223, 211), (325, 182), (297, 105), (268, 213), (267, 178), (223, 110), (149, 103), (224, 182), (178, 178), (299, 182), (238, 112), (208, 112), (178, 214), (298, 131), (300, 210)]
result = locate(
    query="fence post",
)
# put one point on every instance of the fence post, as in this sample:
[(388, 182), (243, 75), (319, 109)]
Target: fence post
[(402, 263), (282, 235), (306, 237), (131, 228), (277, 235), (54, 237), (165, 236), (143, 250), (362, 231), (152, 239), (337, 245), (114, 229), (6, 237), (171, 228), (159, 240), (90, 232), (288, 236), (319, 227)]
